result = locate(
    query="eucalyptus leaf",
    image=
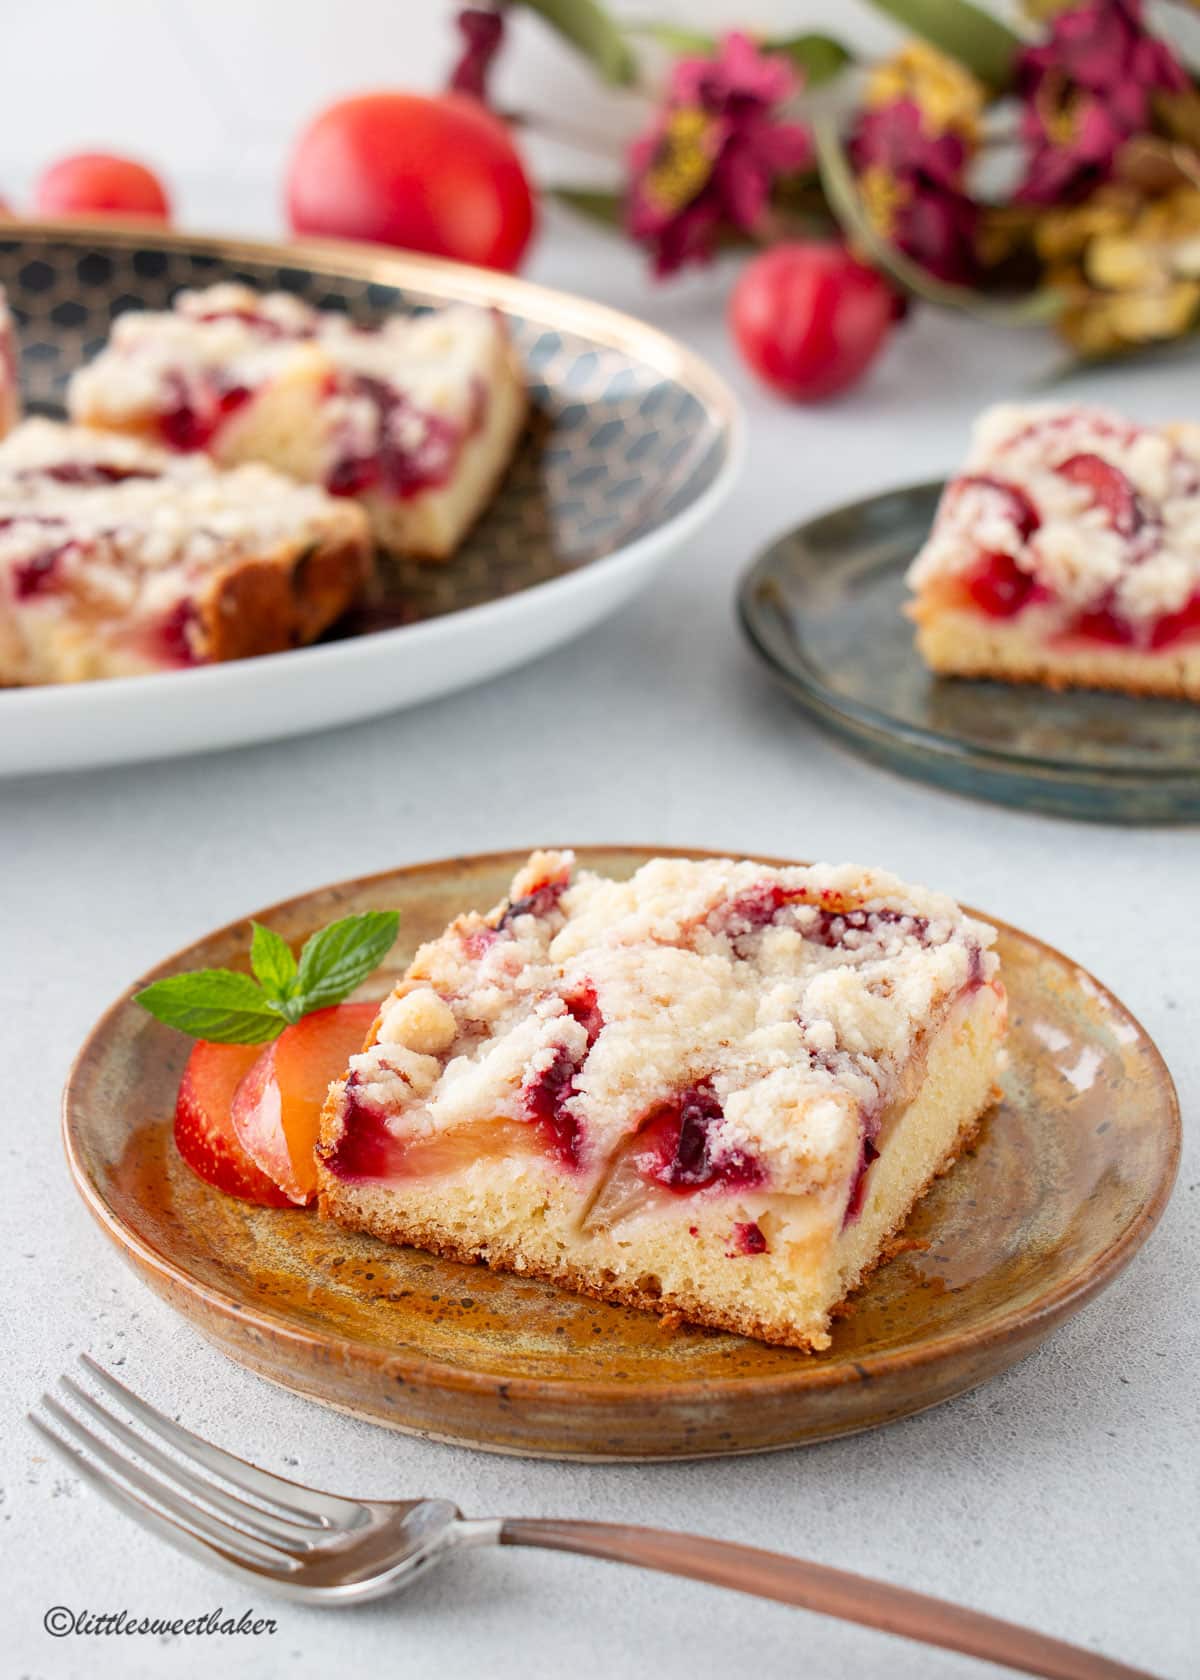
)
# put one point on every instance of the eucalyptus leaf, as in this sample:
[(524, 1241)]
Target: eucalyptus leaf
[(587, 26), (841, 189), (605, 208), (674, 39), (964, 32), (818, 57)]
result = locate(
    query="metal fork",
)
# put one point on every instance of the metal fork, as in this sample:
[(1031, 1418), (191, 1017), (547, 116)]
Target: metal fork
[(325, 1549)]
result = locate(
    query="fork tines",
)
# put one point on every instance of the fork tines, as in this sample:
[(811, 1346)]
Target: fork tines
[(268, 1533)]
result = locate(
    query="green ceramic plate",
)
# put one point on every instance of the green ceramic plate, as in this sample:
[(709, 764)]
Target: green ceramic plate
[(822, 606)]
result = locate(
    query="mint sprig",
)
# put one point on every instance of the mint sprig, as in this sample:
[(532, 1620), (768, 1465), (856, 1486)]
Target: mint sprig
[(225, 1007)]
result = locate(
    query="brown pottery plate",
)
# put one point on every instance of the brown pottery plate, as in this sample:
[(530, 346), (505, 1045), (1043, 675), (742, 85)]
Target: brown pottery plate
[(1070, 1174)]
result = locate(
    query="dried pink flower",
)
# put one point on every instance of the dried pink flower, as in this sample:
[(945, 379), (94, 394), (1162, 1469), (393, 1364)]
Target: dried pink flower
[(911, 179), (1087, 88), (714, 152)]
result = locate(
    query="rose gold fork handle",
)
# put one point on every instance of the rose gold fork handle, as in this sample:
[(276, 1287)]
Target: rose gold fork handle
[(830, 1592)]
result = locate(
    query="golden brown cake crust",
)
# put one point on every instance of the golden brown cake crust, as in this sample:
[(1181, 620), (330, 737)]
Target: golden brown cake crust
[(268, 604), (959, 644)]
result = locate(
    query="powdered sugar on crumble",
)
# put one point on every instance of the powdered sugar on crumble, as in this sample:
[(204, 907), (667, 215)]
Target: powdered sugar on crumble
[(1082, 553), (155, 509), (230, 338), (128, 529), (794, 999)]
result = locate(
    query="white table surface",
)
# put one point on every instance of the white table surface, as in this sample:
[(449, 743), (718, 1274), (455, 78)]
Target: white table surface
[(1063, 1494)]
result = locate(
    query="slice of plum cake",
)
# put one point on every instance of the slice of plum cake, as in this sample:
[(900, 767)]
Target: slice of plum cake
[(117, 559), (1067, 553), (416, 418), (714, 1090)]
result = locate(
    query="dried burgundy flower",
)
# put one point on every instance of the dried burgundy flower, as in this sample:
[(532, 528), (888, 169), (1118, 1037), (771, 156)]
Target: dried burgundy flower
[(482, 31), (714, 153), (1087, 88), (911, 181)]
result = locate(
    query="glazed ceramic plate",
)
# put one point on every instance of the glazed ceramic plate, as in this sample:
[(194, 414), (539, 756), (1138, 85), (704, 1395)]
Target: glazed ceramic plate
[(1070, 1174), (822, 606), (633, 444)]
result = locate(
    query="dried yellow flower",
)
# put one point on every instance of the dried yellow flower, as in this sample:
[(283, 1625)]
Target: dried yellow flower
[(684, 160), (1063, 232), (883, 196), (949, 97), (1128, 266)]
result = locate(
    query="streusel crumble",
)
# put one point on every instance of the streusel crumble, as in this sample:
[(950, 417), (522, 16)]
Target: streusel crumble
[(1068, 553), (117, 558), (416, 418)]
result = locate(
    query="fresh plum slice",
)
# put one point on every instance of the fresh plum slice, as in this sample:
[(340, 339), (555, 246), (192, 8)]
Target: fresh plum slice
[(276, 1109), (204, 1132)]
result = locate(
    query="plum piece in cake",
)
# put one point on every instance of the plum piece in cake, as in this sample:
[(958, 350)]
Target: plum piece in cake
[(417, 418), (1067, 553), (117, 558), (715, 1090), (10, 389)]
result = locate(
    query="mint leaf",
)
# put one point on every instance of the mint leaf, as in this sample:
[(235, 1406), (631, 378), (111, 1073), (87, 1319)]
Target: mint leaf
[(339, 957), (273, 963), (216, 1004)]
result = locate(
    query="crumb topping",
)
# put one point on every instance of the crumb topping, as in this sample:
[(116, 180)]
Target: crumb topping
[(1099, 512), (133, 527), (763, 1017), (229, 338)]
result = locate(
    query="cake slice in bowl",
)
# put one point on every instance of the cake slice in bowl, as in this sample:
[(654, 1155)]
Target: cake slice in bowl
[(1067, 553), (118, 559), (715, 1090), (417, 418)]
